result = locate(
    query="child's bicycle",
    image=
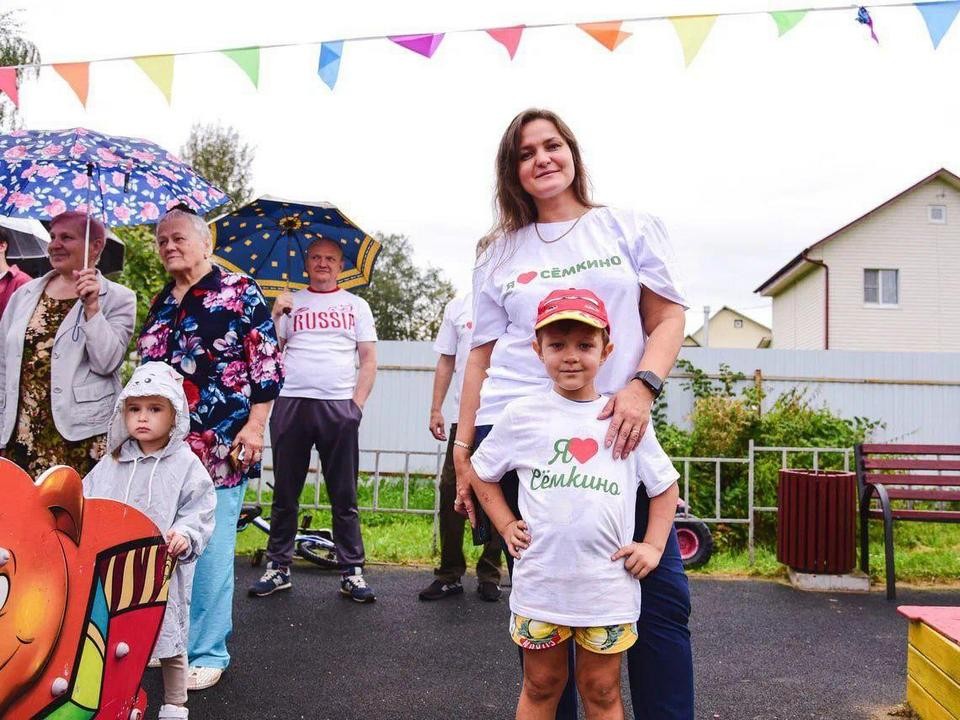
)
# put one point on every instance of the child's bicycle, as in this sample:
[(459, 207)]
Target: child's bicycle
[(315, 546), (693, 536)]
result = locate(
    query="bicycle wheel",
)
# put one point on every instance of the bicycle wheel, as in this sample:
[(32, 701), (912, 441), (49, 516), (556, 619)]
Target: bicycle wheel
[(318, 551)]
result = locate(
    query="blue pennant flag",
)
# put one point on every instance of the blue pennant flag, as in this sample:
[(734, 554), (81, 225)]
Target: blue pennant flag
[(938, 16), (329, 68)]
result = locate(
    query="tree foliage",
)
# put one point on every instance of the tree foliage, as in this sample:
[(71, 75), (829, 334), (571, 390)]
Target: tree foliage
[(142, 270), (407, 301), (15, 50), (218, 154)]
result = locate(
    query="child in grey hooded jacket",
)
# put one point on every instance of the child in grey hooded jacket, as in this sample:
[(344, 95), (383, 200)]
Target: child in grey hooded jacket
[(150, 467)]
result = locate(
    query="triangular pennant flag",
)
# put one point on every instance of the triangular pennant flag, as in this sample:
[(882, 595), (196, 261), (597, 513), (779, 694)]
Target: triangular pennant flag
[(249, 61), (787, 20), (607, 34), (425, 45), (509, 37), (77, 76), (329, 68), (938, 17), (692, 31), (158, 68), (8, 84)]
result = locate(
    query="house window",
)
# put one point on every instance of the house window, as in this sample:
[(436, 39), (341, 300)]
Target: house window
[(937, 214), (881, 287), (738, 323)]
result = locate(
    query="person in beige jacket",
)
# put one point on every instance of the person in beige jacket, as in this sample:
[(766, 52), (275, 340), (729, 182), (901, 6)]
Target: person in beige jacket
[(64, 338)]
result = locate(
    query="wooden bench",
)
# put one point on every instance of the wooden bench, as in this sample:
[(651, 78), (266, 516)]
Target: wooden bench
[(904, 474), (933, 661)]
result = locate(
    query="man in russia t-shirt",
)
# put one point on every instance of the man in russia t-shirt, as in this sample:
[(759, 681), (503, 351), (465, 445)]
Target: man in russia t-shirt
[(323, 330)]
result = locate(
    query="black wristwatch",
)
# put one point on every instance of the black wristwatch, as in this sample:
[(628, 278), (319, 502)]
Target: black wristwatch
[(651, 380)]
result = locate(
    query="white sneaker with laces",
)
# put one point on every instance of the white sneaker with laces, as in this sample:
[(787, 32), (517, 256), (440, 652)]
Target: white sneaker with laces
[(201, 678)]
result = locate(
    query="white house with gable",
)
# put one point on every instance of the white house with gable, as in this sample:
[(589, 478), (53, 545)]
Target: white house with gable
[(888, 281)]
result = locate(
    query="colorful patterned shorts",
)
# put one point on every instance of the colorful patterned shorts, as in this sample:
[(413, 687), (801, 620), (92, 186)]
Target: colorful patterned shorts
[(537, 635)]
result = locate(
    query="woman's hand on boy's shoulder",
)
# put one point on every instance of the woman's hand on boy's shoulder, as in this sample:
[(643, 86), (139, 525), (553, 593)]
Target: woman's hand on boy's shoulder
[(641, 558)]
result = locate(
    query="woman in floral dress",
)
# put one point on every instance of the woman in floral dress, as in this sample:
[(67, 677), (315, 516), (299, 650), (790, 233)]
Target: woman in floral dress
[(64, 338), (215, 329)]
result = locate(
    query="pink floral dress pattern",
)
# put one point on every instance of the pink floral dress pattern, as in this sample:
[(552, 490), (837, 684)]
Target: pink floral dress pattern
[(36, 445), (221, 338)]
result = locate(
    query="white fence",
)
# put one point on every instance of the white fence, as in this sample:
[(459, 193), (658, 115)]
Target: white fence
[(916, 395)]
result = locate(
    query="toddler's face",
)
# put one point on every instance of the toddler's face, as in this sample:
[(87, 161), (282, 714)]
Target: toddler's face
[(149, 419), (572, 353)]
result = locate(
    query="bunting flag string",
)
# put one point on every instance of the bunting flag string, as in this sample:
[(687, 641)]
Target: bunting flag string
[(158, 68), (607, 34), (692, 31), (509, 37), (425, 45), (249, 61), (329, 68), (938, 18), (787, 20), (77, 76), (9, 85)]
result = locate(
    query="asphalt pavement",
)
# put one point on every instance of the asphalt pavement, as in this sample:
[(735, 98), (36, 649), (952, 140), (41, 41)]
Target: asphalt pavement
[(761, 651)]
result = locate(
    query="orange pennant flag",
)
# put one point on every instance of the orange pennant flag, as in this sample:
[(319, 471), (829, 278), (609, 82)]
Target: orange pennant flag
[(77, 76), (8, 85), (607, 34)]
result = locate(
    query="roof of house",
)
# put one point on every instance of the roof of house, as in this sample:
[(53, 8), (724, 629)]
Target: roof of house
[(795, 266), (735, 312)]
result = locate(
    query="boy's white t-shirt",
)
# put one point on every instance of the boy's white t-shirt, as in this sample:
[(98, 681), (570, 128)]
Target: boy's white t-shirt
[(578, 503), (321, 334), (453, 338), (615, 253)]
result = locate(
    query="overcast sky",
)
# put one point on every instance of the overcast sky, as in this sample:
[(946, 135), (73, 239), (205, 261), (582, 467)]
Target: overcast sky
[(761, 147)]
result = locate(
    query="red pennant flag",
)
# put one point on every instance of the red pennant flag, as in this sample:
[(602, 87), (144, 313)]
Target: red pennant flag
[(77, 76), (607, 34), (509, 37), (8, 84)]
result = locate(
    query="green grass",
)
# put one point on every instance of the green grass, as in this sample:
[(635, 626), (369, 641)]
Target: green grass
[(925, 553)]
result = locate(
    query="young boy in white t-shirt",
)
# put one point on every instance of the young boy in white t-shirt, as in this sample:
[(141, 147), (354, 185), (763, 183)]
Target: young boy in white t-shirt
[(576, 567)]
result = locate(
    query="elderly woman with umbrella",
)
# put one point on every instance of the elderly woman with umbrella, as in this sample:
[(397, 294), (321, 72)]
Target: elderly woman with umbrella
[(214, 328), (64, 339)]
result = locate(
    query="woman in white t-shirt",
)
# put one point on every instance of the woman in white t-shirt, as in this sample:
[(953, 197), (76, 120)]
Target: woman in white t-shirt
[(551, 235)]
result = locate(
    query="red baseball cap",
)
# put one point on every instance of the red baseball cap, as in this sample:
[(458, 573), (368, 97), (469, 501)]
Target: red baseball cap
[(572, 304)]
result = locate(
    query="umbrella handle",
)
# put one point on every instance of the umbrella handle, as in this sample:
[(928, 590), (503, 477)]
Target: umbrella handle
[(86, 238)]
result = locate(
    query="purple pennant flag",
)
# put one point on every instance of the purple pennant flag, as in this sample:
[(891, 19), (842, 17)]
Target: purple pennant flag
[(425, 45), (863, 17)]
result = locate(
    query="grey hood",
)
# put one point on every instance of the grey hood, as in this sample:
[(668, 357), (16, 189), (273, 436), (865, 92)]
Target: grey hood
[(152, 378)]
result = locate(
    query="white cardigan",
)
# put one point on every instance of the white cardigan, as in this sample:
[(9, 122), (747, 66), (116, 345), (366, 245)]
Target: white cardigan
[(85, 373)]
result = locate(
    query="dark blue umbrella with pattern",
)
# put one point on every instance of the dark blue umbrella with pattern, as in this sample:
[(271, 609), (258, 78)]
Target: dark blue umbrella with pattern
[(268, 240)]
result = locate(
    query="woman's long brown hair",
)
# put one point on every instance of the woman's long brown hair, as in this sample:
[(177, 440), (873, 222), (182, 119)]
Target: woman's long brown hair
[(513, 205)]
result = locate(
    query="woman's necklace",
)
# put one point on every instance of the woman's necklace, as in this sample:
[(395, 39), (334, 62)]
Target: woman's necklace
[(559, 237)]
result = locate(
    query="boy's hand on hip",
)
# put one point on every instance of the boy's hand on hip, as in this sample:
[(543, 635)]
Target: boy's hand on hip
[(177, 544), (641, 558), (516, 537)]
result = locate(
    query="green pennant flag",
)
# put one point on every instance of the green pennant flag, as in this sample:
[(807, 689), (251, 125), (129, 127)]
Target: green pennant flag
[(158, 68), (786, 20), (249, 61)]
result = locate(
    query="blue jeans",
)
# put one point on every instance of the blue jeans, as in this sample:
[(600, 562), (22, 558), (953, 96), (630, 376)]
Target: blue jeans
[(660, 663), (211, 604)]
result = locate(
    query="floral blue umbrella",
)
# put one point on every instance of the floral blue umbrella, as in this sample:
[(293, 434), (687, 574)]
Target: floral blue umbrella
[(268, 240), (127, 181)]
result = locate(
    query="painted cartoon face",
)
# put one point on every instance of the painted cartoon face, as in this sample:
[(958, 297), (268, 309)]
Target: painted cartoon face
[(33, 575)]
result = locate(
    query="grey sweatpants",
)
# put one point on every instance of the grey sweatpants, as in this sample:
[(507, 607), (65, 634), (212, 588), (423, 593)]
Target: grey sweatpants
[(332, 427)]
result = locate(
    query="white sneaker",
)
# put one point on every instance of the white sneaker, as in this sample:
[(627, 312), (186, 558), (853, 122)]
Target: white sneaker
[(172, 712), (201, 678)]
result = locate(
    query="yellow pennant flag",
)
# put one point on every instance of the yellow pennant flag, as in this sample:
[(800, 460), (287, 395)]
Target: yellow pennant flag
[(692, 31), (158, 68)]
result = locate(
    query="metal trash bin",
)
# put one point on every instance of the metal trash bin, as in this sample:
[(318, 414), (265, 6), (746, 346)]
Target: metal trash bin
[(816, 520)]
